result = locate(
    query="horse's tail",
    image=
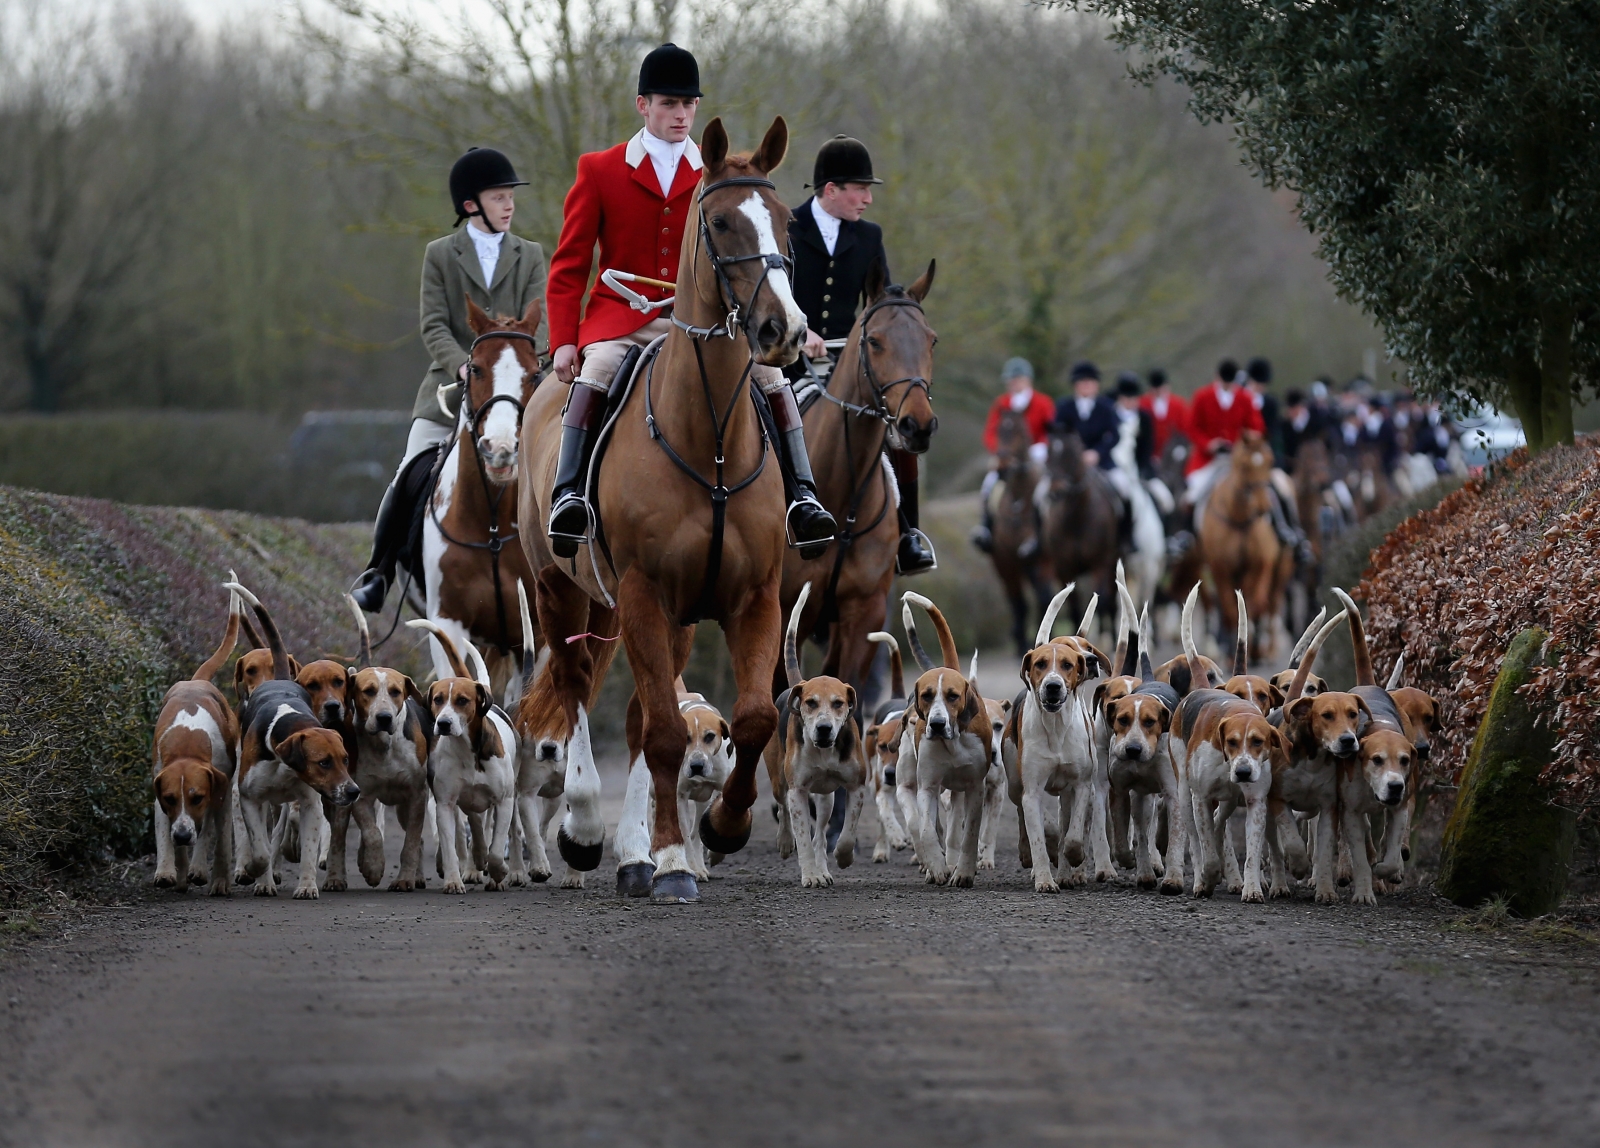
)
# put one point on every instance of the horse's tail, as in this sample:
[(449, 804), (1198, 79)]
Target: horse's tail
[(457, 666), (1394, 675), (1305, 639), (1197, 669), (947, 641), (1088, 615), (897, 674), (245, 624), (1048, 622), (280, 656), (364, 658), (1241, 641), (791, 649), (924, 663), (230, 638), (1303, 670), (1358, 641)]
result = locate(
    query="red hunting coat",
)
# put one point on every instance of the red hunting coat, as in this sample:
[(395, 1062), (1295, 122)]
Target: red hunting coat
[(1208, 420), (616, 202), (1175, 419)]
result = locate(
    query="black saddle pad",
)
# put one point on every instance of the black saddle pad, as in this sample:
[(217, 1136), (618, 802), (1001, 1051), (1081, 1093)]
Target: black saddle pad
[(416, 484)]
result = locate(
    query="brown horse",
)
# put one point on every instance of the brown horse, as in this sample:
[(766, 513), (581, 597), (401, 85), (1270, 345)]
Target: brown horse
[(688, 424), (1240, 546), (1016, 524), (1312, 477), (1080, 520), (471, 563), (875, 398)]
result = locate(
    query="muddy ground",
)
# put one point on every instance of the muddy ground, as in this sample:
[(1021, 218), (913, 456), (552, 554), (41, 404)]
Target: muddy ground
[(882, 1011)]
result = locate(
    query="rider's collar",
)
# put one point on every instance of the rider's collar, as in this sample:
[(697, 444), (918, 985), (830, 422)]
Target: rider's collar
[(643, 143)]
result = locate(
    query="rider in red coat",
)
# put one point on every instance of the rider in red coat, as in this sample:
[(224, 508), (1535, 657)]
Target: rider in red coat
[(1219, 413), (634, 201), (1168, 412)]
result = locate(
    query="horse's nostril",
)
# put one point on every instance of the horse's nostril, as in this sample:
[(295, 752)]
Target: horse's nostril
[(772, 332)]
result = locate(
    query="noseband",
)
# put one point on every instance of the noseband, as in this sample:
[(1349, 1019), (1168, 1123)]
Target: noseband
[(476, 415), (879, 407), (732, 324)]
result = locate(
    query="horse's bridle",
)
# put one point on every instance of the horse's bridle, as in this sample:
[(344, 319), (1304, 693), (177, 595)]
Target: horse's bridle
[(475, 415), (879, 408), (732, 323)]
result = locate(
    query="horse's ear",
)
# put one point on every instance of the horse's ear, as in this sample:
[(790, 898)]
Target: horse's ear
[(477, 318), (714, 147), (919, 290), (774, 145), (877, 282), (529, 322)]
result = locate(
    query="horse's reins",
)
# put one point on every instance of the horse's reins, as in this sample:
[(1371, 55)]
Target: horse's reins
[(491, 493), (879, 409), (732, 324)]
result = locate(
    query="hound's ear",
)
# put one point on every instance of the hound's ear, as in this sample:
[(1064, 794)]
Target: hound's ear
[(1027, 665), (349, 682), (1005, 705), (846, 741), (970, 707), (1166, 717), (774, 145), (1276, 694), (1362, 703), (1300, 708), (294, 667), (794, 701), (1219, 736), (219, 782), (1080, 668), (239, 691), (292, 750), (529, 323), (850, 697), (485, 699), (1099, 694), (726, 733), (919, 290), (714, 147), (417, 695), (1280, 744), (477, 318)]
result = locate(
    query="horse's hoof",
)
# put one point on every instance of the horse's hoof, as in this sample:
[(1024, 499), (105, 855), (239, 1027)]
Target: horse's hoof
[(583, 858), (674, 889), (720, 843), (634, 880)]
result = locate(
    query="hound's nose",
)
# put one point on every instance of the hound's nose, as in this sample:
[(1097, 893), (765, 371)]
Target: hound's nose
[(697, 766), (824, 734), (1052, 693), (384, 722), (1397, 790), (547, 751), (888, 776), (444, 727), (1132, 752), (936, 726), (332, 711), (348, 792), (1348, 744), (1422, 751), (1241, 773), (182, 835)]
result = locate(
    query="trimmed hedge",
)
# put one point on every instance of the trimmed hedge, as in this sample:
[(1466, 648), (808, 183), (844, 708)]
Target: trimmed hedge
[(102, 607)]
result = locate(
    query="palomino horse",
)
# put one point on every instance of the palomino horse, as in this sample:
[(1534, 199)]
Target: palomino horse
[(1016, 525), (1080, 519), (471, 563), (875, 397), (1240, 546), (666, 555)]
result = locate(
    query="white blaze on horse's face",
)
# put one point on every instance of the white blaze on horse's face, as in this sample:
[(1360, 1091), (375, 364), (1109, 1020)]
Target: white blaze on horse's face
[(497, 437), (755, 209)]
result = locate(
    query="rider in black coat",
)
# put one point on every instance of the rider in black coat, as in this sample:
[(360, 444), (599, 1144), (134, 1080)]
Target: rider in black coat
[(1096, 424), (831, 284)]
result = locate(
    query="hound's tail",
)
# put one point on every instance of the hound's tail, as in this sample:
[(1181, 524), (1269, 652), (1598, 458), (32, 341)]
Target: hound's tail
[(918, 653), (1394, 676), (530, 644), (972, 675), (1358, 641), (1299, 650), (1128, 647), (230, 638), (280, 656), (1125, 619), (947, 641), (1147, 672), (250, 634), (1048, 622), (1088, 615), (457, 666), (364, 658), (897, 673), (791, 648), (1303, 670), (1241, 641), (1191, 655)]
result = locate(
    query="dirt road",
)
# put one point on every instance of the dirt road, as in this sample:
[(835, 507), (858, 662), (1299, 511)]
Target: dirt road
[(882, 1012)]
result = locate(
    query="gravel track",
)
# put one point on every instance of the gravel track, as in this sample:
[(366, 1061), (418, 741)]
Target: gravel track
[(882, 1011)]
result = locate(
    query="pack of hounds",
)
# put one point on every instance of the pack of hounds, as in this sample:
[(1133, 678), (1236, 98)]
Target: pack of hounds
[(1158, 766)]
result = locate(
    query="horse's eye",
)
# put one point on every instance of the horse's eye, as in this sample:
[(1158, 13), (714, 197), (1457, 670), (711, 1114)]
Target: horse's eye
[(719, 223), (872, 341)]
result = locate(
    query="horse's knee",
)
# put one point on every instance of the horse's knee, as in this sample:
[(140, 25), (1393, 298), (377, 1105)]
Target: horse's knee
[(666, 742), (754, 721)]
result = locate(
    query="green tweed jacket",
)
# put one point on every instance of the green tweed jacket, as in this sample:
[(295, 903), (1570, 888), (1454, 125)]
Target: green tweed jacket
[(450, 273)]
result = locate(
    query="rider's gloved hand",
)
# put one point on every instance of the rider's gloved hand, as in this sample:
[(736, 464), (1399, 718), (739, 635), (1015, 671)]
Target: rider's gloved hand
[(814, 348), (566, 362)]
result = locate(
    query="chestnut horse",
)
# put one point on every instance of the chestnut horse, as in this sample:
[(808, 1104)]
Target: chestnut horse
[(471, 562), (875, 398), (1016, 524), (687, 426), (1080, 519), (1240, 546)]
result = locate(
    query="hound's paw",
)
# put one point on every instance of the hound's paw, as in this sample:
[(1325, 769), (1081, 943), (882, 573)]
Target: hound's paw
[(1384, 871), (961, 880), (1148, 881), (573, 880), (166, 880), (538, 876), (1125, 859), (1363, 898), (985, 862), (1203, 892), (899, 843), (814, 882), (1252, 897), (305, 893), (518, 880), (265, 889), (880, 854), (1236, 886), (843, 857), (1159, 867), (498, 870), (493, 886), (1171, 886), (1386, 887), (455, 887), (1046, 885), (1076, 879), (1105, 874), (198, 877), (1210, 872), (335, 885), (1327, 896), (472, 877), (938, 876), (403, 885), (1277, 891), (1074, 853)]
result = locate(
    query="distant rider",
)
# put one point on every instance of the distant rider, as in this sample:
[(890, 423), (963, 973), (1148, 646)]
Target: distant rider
[(1038, 412)]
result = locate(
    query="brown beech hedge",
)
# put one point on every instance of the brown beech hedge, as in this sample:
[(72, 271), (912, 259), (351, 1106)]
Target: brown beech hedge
[(1452, 586)]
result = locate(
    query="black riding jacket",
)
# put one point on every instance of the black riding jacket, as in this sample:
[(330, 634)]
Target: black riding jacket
[(829, 288)]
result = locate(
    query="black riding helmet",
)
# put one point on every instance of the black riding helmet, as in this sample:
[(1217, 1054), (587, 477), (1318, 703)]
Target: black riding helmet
[(670, 71), (476, 172), (842, 160)]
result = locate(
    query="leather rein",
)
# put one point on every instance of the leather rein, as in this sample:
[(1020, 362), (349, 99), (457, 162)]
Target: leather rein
[(492, 494), (735, 321)]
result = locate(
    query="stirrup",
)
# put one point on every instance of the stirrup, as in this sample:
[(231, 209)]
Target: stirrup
[(370, 583), (565, 543), (918, 541), (809, 548)]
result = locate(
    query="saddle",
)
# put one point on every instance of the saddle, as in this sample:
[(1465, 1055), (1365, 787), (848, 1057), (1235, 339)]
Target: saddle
[(634, 362), (809, 386)]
